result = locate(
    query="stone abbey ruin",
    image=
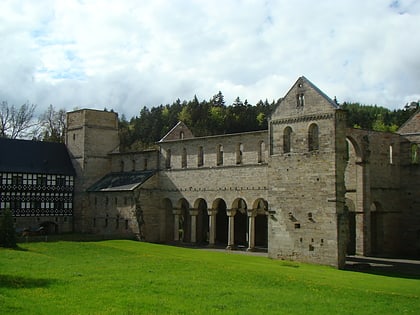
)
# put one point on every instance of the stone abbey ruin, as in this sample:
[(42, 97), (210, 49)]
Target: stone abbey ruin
[(307, 189)]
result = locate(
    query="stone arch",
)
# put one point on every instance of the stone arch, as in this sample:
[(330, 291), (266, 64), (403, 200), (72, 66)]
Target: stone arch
[(202, 221), (261, 223), (240, 222), (221, 221), (356, 178), (184, 220), (169, 220)]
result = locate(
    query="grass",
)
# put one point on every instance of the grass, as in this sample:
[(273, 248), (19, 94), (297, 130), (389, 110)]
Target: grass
[(128, 277)]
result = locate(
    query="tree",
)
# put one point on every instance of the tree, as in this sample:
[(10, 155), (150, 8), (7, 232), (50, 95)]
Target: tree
[(53, 124), (16, 122), (7, 230)]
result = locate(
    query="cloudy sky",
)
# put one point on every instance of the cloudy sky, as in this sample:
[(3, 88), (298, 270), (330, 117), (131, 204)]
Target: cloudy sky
[(126, 54)]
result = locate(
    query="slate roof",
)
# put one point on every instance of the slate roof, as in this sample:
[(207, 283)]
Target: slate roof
[(121, 181), (26, 156)]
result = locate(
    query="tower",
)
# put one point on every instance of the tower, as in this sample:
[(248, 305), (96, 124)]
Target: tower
[(91, 135)]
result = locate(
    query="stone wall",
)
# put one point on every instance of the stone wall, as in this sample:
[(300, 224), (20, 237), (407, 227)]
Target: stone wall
[(306, 185)]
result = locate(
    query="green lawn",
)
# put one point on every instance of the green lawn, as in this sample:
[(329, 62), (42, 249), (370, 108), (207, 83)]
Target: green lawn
[(128, 277)]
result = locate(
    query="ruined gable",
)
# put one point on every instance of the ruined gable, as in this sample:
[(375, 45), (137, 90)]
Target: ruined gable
[(412, 125), (303, 99), (180, 131)]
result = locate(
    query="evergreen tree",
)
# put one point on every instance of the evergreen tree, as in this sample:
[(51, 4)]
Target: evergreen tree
[(7, 230)]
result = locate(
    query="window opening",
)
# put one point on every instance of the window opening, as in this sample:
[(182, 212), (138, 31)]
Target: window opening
[(239, 153), (200, 158), (184, 158), (300, 98), (391, 154), (261, 149), (313, 137), (168, 158), (220, 155), (414, 153), (287, 139)]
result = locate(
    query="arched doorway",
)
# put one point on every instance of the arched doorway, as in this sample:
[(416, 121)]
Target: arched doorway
[(221, 222), (376, 229), (240, 223), (184, 221), (202, 222), (357, 194), (261, 224)]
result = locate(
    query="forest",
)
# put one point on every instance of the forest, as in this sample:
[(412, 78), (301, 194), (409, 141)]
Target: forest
[(213, 117), (204, 118)]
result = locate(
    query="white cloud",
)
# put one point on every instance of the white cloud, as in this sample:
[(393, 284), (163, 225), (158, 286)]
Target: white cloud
[(129, 54)]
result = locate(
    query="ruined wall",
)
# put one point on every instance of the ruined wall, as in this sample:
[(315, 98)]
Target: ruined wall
[(373, 192), (410, 186), (306, 186), (242, 173)]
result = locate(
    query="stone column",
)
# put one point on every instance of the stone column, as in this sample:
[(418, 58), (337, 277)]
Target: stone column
[(212, 225), (177, 213), (193, 214), (231, 228), (252, 213)]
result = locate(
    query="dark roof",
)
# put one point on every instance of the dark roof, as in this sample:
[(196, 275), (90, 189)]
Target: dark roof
[(25, 156), (121, 181)]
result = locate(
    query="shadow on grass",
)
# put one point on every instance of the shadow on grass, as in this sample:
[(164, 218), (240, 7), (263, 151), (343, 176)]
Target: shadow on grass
[(384, 267), (19, 282)]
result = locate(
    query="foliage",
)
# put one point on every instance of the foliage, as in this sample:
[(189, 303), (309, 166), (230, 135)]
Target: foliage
[(15, 121), (52, 125), (373, 117), (127, 277), (7, 230), (204, 118)]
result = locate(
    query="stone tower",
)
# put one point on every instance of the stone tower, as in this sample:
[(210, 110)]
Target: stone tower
[(306, 177), (91, 136)]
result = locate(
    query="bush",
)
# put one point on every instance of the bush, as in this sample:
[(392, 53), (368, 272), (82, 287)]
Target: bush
[(7, 230)]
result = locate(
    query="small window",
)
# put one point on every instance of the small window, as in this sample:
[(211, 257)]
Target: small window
[(133, 165), (313, 137), (287, 135), (200, 157), (300, 99), (121, 166), (181, 135), (184, 158), (239, 153), (391, 161), (145, 164), (414, 153), (220, 155), (261, 150), (168, 158)]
